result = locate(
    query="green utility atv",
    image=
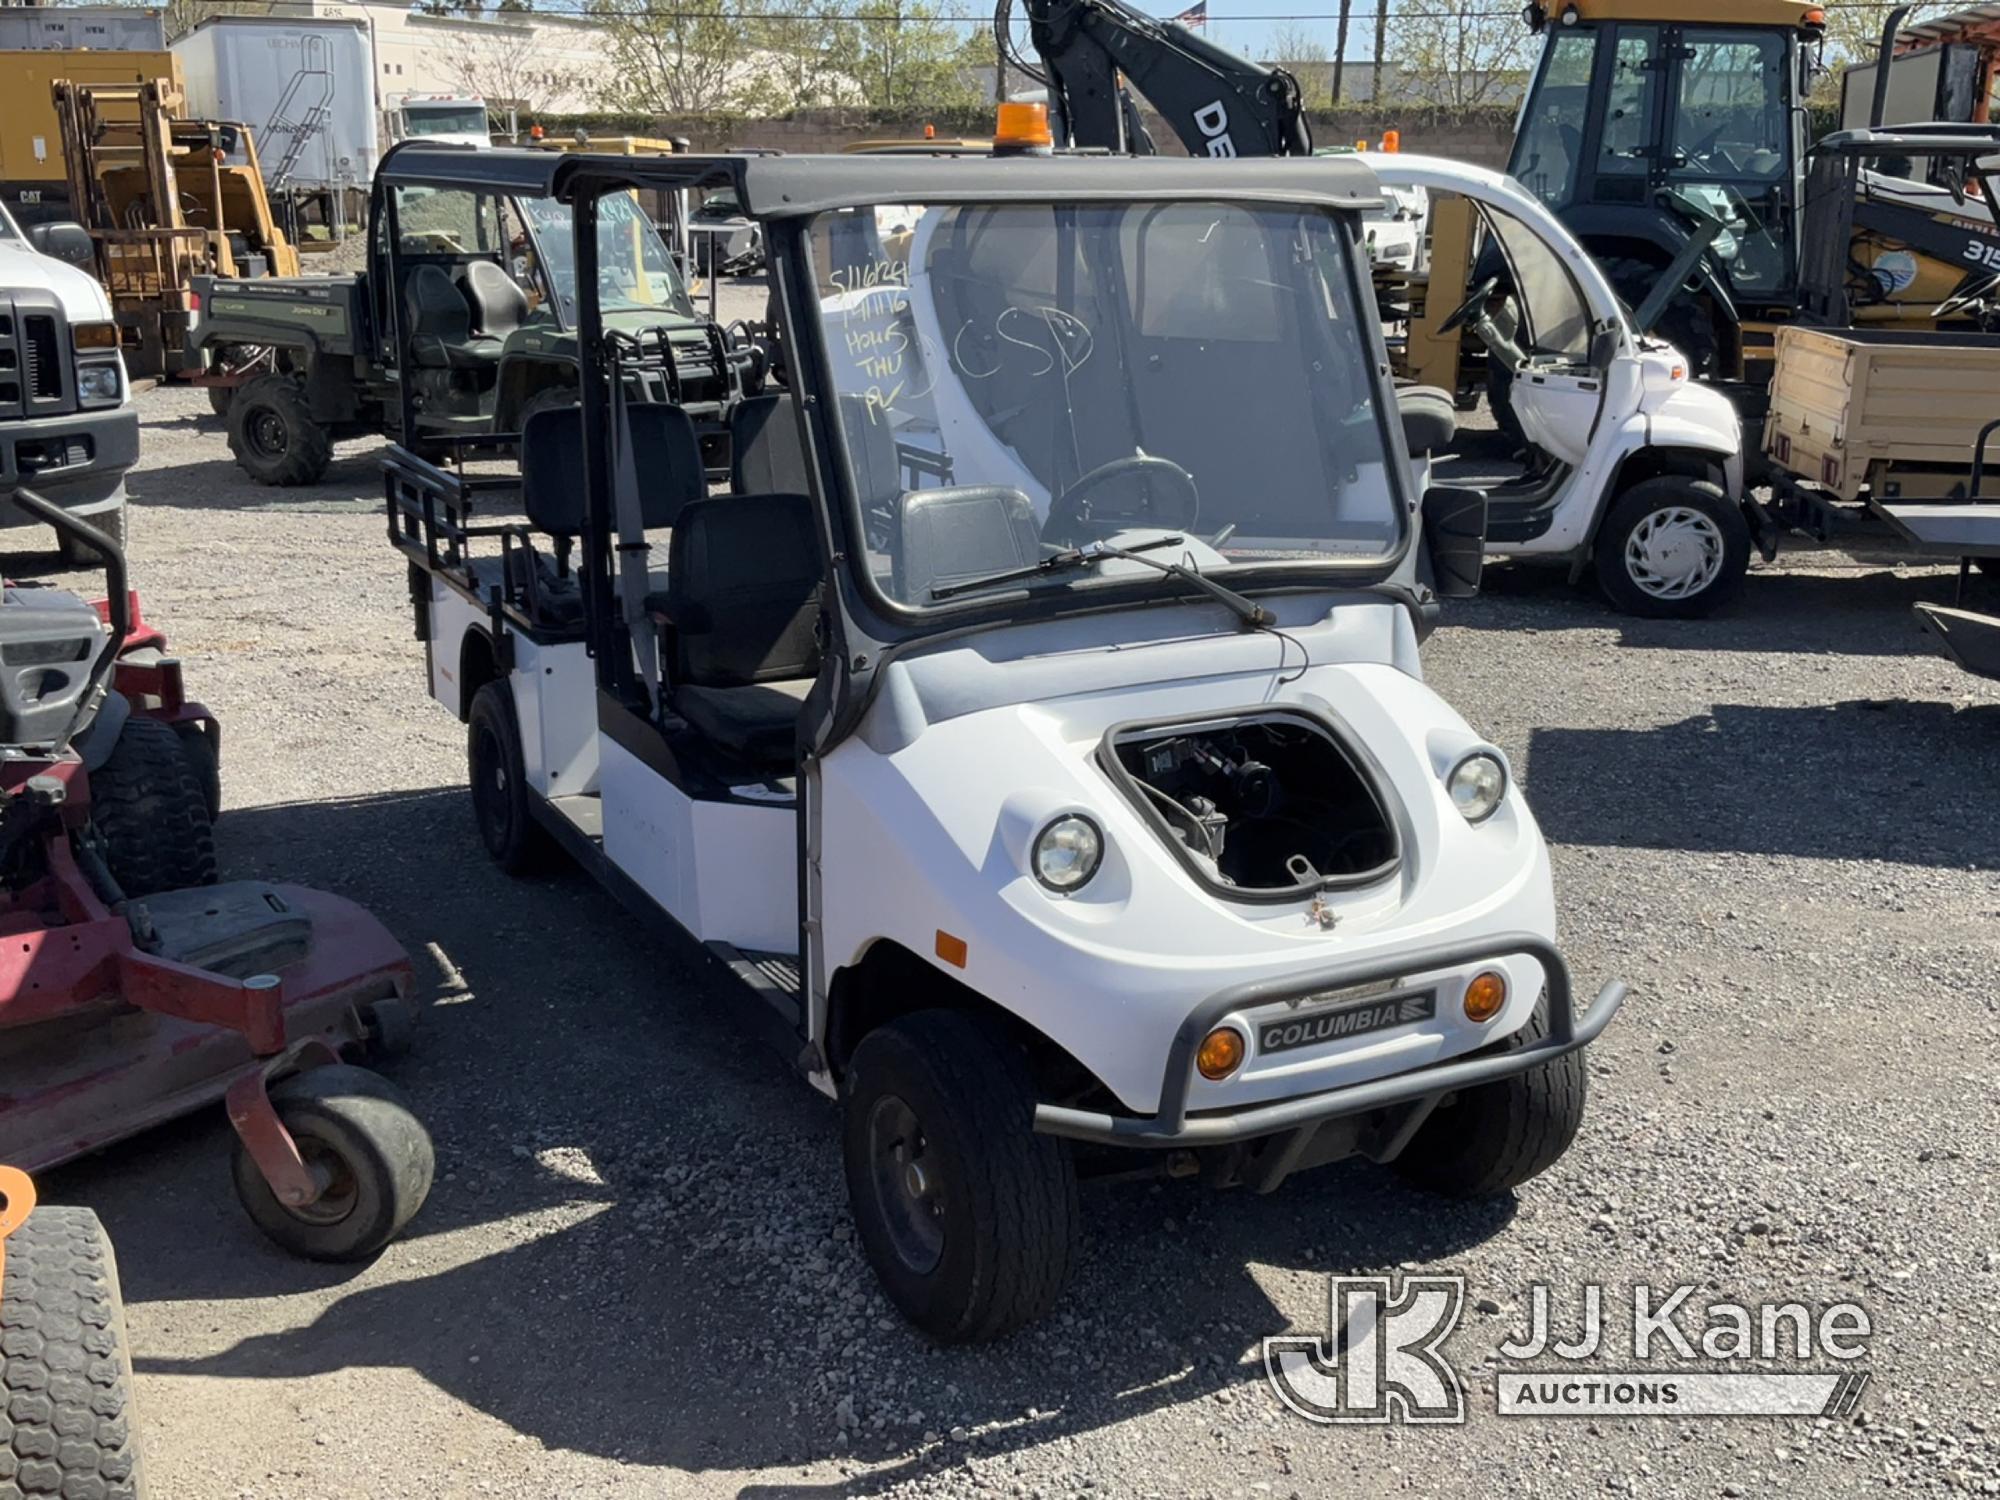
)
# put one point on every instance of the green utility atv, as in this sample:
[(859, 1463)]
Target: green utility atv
[(481, 290)]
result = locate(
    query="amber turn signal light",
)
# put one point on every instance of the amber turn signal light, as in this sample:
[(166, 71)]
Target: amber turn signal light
[(1485, 995), (1221, 1053)]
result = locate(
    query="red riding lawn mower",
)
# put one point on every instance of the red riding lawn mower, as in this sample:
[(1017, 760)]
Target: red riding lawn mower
[(133, 988)]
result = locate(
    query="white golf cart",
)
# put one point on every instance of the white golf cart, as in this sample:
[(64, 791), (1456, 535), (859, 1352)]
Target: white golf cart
[(1035, 731), (1633, 470)]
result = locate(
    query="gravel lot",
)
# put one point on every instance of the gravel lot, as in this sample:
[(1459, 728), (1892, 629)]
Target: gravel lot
[(636, 1276)]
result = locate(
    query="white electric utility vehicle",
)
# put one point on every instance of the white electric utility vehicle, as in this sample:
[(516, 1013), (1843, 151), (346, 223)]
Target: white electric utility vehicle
[(1034, 729), (1632, 471)]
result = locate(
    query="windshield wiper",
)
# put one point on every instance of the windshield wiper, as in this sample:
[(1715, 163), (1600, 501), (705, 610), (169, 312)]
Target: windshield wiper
[(1090, 554)]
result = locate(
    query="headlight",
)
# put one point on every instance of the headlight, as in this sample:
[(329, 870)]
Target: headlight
[(97, 383), (1477, 784), (1067, 852)]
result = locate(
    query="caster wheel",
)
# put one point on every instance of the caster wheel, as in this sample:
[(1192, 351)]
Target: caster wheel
[(391, 1026), (371, 1153)]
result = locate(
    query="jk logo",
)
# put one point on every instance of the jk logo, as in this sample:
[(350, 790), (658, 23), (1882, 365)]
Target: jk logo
[(1380, 1360)]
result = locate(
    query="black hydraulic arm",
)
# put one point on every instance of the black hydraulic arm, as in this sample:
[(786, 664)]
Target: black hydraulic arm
[(1219, 104)]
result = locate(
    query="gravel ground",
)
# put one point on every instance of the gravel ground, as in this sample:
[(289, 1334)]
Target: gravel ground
[(637, 1277)]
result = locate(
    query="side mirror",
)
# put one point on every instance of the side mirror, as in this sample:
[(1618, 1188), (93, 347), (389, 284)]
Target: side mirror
[(65, 241), (1455, 532)]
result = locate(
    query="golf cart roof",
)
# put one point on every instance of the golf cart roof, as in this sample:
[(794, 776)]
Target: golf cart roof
[(1941, 139), (776, 187)]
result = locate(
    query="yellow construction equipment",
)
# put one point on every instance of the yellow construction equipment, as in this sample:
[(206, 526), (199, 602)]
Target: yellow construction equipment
[(165, 198)]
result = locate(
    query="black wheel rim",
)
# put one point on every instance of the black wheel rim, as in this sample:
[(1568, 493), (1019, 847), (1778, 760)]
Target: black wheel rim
[(908, 1189), (265, 432), (492, 792), (337, 1199)]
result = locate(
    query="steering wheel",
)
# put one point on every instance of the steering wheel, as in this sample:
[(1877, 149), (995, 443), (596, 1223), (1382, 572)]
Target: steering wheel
[(1069, 513), (1470, 305)]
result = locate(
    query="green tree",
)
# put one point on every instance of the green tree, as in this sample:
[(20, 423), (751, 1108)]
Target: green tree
[(674, 56), (903, 55), (1459, 52), (799, 46)]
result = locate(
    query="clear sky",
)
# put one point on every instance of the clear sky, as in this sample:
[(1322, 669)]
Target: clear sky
[(1234, 24)]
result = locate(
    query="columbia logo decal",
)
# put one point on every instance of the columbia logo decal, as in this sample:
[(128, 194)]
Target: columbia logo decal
[(1311, 1029)]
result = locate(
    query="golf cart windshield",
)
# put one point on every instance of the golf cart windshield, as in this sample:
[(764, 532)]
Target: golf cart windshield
[(1193, 377), (636, 271)]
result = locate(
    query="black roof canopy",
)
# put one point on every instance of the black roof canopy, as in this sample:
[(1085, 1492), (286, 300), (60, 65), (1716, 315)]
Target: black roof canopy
[(776, 186)]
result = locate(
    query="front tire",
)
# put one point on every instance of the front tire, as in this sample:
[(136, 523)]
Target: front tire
[(65, 1364), (1497, 1135), (149, 807), (273, 433), (498, 776), (1672, 547), (355, 1129), (967, 1215)]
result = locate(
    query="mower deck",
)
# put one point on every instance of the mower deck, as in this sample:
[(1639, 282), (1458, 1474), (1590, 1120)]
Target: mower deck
[(113, 1069)]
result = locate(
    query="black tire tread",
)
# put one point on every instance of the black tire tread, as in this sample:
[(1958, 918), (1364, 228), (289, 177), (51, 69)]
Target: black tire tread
[(1499, 1135), (1025, 1183), (67, 1426), (148, 804), (310, 448), (530, 850), (205, 763)]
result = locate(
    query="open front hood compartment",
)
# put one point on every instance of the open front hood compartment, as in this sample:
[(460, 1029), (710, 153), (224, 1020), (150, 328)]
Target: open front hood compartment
[(1258, 804)]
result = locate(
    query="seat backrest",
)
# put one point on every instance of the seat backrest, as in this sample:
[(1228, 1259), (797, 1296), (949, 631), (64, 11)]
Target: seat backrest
[(764, 453), (498, 305), (664, 444), (944, 535), (743, 586), (765, 457), (435, 307)]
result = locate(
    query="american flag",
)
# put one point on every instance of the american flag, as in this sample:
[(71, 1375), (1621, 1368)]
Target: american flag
[(1195, 16)]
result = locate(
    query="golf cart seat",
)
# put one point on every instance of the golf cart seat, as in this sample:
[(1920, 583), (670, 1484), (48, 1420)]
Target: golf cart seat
[(765, 457), (552, 494), (742, 605), (498, 306), (1430, 419), (441, 336), (949, 534)]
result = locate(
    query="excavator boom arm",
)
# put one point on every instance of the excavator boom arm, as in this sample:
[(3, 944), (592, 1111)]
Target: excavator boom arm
[(1219, 104)]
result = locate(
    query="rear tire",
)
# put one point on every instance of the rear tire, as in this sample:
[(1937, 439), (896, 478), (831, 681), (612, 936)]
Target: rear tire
[(150, 809), (356, 1127), (273, 433), (206, 764), (968, 1216), (1498, 1135), (1672, 547), (65, 1364), (550, 398), (499, 780)]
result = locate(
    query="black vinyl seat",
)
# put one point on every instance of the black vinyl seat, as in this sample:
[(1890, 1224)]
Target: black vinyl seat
[(441, 336), (498, 306), (742, 599), (765, 457), (668, 459)]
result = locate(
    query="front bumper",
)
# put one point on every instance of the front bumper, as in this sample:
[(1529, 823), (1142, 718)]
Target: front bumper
[(1174, 1126), (78, 460)]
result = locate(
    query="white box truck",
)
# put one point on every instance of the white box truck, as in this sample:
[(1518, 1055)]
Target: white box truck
[(305, 86)]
